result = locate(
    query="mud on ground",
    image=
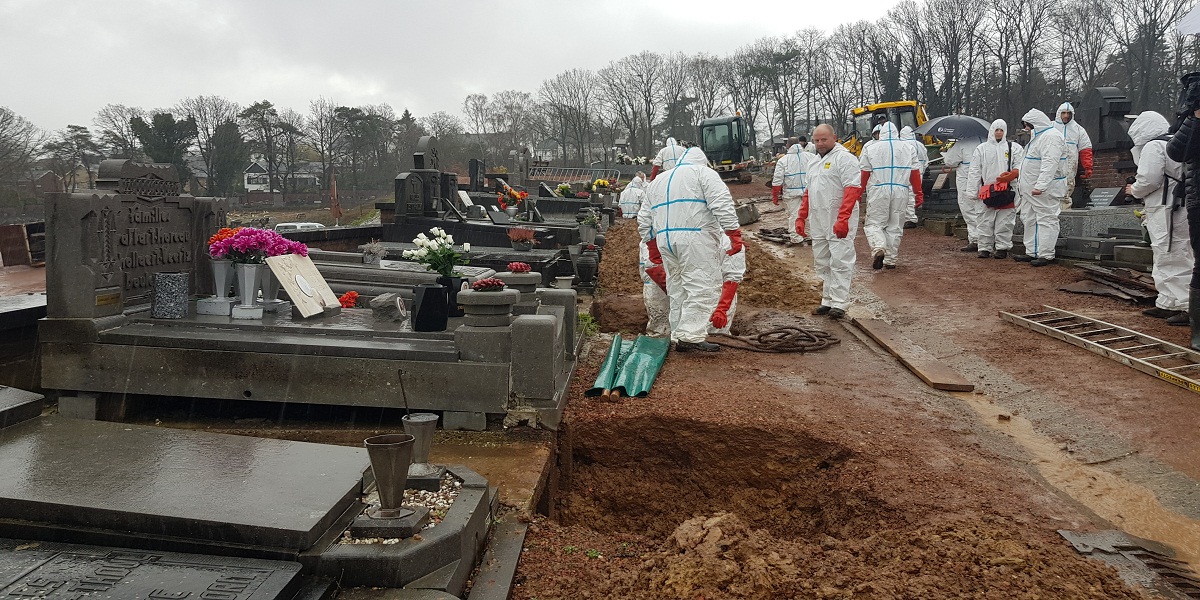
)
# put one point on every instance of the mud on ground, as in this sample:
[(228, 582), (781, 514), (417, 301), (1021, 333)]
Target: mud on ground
[(834, 474)]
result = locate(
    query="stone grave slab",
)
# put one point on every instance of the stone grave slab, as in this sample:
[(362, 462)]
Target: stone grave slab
[(18, 405), (75, 572), (173, 484)]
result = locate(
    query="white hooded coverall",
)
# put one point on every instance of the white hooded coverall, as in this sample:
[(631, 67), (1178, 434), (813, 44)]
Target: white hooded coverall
[(891, 162), (1078, 141), (923, 160), (1042, 168), (791, 173), (1172, 263), (631, 197), (959, 157), (688, 210), (658, 305), (833, 257), (989, 160), (668, 157)]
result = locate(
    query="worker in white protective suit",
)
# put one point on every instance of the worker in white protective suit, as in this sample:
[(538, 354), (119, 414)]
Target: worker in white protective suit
[(1041, 187), (805, 146), (829, 215), (789, 181), (906, 134), (1166, 219), (631, 197), (667, 158), (654, 277), (958, 157), (1079, 148), (890, 176), (687, 211), (733, 269), (995, 162)]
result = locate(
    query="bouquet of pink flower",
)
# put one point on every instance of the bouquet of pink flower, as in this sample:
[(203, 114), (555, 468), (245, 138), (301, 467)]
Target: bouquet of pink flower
[(252, 245)]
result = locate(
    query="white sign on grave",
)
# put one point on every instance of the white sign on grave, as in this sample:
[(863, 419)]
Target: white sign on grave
[(304, 285)]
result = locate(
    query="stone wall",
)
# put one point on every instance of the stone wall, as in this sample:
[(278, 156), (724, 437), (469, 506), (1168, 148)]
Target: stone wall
[(1108, 165)]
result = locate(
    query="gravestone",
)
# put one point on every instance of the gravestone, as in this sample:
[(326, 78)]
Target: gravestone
[(75, 572), (104, 247)]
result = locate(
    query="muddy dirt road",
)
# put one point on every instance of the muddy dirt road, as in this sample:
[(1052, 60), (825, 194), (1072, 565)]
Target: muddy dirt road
[(838, 474)]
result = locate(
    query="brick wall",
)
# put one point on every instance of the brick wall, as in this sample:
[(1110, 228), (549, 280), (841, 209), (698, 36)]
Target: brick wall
[(1105, 165)]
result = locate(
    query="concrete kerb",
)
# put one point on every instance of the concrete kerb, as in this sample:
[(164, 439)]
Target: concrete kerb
[(459, 538)]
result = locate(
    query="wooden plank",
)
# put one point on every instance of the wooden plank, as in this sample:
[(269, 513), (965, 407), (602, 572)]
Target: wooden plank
[(915, 358)]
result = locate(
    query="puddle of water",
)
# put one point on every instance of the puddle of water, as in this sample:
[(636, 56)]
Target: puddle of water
[(1131, 507)]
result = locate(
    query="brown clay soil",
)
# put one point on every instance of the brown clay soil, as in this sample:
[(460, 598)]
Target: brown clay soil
[(838, 474)]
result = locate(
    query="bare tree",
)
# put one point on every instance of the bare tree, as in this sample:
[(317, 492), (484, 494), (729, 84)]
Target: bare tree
[(19, 144), (209, 113), (116, 133), (706, 83), (325, 133), (1140, 29), (569, 102), (73, 149)]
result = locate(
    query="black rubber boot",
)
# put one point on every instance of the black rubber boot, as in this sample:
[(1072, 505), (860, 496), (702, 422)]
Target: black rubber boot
[(1194, 313)]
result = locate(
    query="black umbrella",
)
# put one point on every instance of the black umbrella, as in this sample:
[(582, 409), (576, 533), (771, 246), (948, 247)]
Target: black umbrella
[(960, 127)]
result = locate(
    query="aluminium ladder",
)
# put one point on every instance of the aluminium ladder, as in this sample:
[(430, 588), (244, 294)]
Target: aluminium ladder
[(1164, 360)]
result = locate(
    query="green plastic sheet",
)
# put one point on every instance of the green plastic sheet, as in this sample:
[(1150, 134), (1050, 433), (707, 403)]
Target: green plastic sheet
[(631, 366)]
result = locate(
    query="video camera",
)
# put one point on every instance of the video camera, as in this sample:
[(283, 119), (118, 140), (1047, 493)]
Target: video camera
[(1189, 94)]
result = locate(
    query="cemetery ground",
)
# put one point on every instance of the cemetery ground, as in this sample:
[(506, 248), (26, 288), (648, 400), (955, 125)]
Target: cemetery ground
[(832, 474), (839, 474)]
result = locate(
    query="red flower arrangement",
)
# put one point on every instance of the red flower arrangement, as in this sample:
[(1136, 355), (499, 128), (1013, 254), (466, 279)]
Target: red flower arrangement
[(519, 267), (491, 284), (224, 234), (582, 195), (514, 198), (349, 299)]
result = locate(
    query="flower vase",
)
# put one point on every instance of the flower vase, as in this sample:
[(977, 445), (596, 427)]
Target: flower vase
[(585, 267), (587, 234), (453, 285), (429, 311), (270, 289), (222, 277), (511, 210), (248, 277), (522, 246)]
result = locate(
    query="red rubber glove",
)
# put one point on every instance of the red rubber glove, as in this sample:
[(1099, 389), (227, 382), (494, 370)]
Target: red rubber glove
[(1085, 161), (1008, 176), (658, 276), (776, 194), (719, 317), (654, 172), (866, 176), (735, 240), (803, 215), (850, 198), (914, 178), (984, 192), (655, 255)]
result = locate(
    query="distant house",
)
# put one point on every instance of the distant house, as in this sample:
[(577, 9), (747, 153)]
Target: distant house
[(45, 182), (304, 175)]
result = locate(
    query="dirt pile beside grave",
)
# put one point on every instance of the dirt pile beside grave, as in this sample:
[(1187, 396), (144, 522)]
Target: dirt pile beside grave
[(618, 274)]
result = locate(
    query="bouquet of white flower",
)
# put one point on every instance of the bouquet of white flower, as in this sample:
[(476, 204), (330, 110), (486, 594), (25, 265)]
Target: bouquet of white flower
[(437, 253)]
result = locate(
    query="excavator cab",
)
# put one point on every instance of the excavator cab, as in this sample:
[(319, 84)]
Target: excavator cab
[(726, 143), (902, 113)]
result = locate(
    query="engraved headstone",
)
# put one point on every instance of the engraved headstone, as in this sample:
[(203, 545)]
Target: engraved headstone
[(105, 247), (54, 571)]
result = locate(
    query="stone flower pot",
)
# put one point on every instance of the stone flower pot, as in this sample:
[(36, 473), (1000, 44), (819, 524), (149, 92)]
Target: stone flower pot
[(488, 309)]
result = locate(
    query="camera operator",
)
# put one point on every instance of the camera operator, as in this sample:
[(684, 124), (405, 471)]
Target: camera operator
[(1184, 147), (1156, 184)]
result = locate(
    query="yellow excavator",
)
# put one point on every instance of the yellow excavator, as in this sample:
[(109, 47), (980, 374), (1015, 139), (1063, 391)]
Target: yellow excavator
[(900, 112)]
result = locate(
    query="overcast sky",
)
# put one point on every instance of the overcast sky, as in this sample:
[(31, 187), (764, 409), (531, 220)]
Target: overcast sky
[(61, 60)]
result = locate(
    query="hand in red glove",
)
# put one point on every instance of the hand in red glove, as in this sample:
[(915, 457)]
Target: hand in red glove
[(1085, 161), (719, 318), (654, 172), (1008, 176), (866, 176), (652, 250), (803, 215), (984, 192), (735, 240), (658, 275), (914, 178), (850, 198), (776, 194)]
